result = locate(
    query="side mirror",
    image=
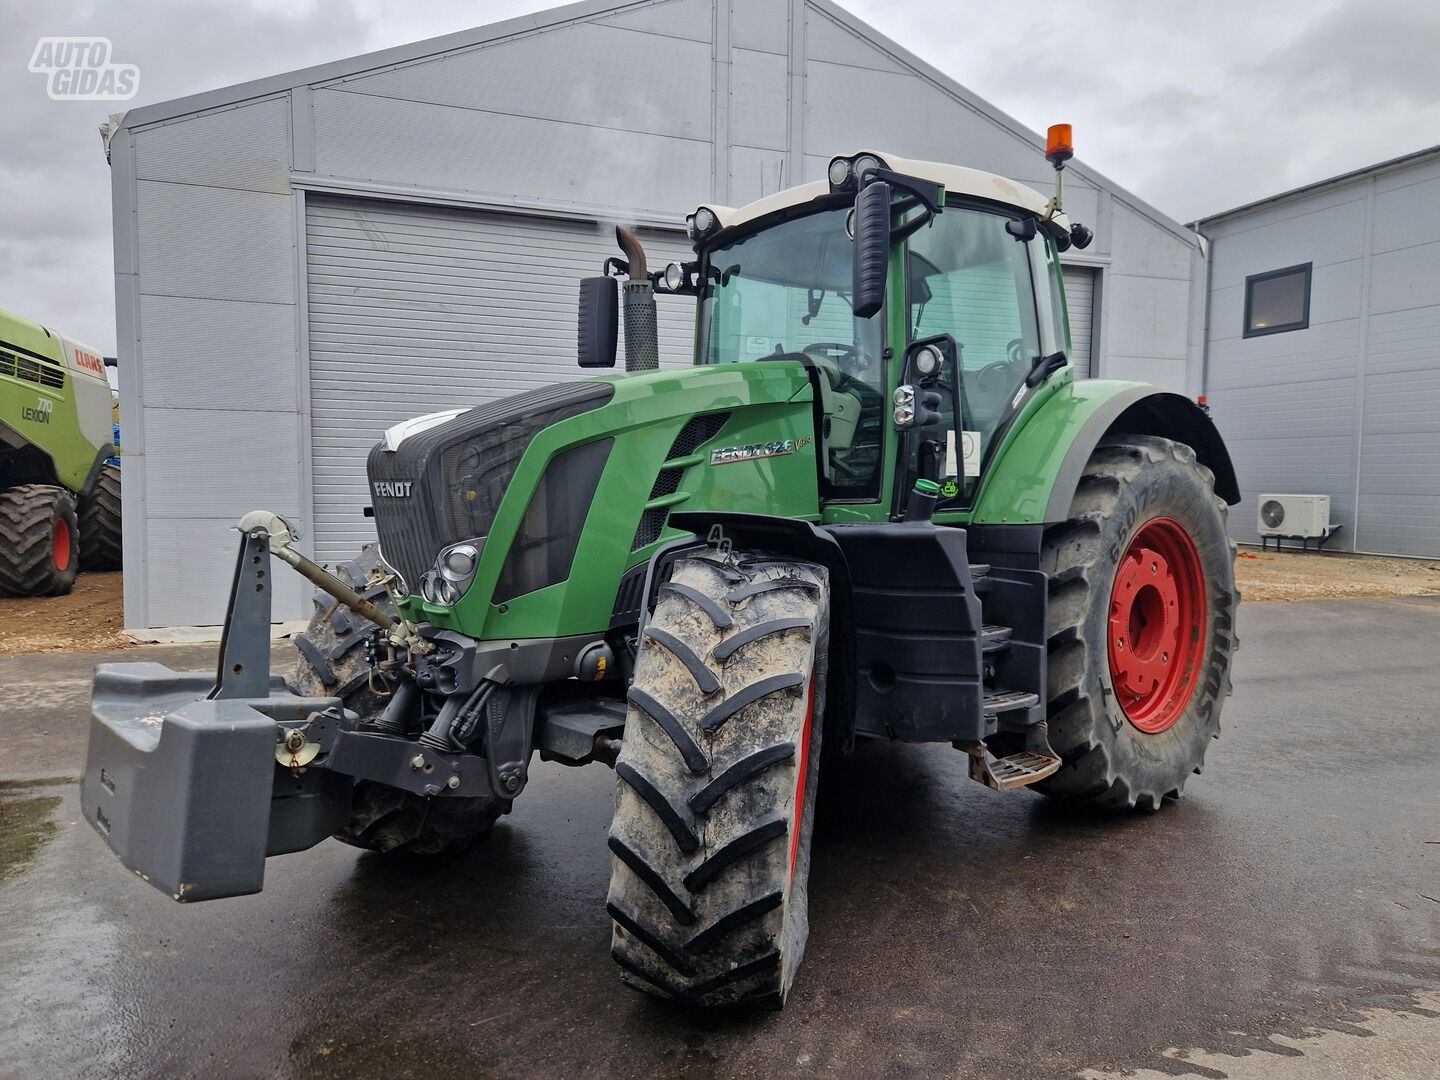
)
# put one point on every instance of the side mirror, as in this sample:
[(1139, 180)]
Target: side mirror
[(599, 321), (872, 248)]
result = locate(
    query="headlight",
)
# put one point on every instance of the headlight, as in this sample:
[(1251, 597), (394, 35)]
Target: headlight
[(866, 163), (928, 360), (674, 277), (904, 406), (701, 223), (436, 590), (839, 173), (457, 564)]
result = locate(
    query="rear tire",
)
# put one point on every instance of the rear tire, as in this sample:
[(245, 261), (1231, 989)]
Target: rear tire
[(1121, 748), (100, 544), (39, 555), (331, 663), (716, 780)]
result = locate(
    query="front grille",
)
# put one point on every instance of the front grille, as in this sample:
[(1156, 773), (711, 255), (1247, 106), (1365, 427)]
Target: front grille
[(460, 470), (32, 369), (695, 434), (544, 547)]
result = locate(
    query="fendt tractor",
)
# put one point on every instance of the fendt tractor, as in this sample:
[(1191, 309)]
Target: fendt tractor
[(59, 480), (878, 506)]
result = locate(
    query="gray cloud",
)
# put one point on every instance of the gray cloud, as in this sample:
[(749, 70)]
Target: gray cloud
[(1194, 107)]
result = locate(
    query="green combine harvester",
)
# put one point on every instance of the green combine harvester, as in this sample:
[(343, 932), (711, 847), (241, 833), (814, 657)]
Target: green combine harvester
[(59, 485), (879, 505)]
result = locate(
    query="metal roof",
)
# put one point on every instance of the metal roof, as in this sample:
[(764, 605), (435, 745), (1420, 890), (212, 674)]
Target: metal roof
[(587, 9), (1333, 181)]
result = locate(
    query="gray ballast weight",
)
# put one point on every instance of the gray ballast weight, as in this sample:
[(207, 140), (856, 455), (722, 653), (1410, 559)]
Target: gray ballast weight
[(181, 786), (193, 779)]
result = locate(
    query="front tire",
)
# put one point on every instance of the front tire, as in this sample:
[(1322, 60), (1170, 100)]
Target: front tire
[(39, 555), (331, 662), (1141, 625), (715, 792)]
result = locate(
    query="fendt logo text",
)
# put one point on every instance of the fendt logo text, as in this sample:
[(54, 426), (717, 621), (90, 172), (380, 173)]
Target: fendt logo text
[(393, 489), (79, 69)]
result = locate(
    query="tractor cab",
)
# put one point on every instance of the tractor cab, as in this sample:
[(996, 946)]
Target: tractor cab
[(971, 267)]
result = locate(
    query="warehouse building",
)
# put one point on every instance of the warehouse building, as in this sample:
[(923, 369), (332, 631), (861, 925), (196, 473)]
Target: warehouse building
[(304, 260), (1322, 365)]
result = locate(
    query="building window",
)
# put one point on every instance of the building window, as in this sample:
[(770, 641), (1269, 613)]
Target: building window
[(1277, 301)]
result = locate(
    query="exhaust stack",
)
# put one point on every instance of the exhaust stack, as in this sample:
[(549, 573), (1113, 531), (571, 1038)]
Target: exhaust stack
[(642, 340)]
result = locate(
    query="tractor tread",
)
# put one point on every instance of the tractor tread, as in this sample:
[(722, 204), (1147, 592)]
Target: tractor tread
[(679, 828), (694, 757), (708, 938), (704, 677), (748, 695), (733, 852), (764, 585), (744, 769), (29, 514), (731, 645), (735, 775), (1102, 762), (653, 878), (718, 615), (99, 519)]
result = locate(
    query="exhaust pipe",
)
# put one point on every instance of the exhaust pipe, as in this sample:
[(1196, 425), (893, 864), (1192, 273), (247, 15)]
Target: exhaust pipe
[(642, 340)]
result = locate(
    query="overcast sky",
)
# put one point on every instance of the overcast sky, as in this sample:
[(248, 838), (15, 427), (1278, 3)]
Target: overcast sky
[(1194, 107)]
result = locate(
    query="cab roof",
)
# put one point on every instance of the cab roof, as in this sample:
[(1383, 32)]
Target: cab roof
[(956, 179)]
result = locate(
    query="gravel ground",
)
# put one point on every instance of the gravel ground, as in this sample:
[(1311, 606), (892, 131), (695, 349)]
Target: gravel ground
[(1332, 576), (91, 617)]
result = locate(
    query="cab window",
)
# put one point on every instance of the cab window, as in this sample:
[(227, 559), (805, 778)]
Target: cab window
[(970, 278)]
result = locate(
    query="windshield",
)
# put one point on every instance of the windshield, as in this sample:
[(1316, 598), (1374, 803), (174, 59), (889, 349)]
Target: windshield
[(784, 293)]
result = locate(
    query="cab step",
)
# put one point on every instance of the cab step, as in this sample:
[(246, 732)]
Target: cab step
[(1007, 773), (1003, 701), (994, 638), (980, 577)]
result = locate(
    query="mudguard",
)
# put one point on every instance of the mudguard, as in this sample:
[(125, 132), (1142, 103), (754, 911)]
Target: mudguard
[(1038, 467)]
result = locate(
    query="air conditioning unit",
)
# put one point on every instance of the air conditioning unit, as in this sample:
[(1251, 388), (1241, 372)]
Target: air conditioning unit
[(1304, 516)]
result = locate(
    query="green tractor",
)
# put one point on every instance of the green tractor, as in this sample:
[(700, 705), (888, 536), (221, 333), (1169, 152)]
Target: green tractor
[(878, 506), (59, 478)]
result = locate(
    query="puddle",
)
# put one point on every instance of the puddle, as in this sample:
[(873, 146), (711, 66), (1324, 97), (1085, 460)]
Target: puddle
[(27, 821)]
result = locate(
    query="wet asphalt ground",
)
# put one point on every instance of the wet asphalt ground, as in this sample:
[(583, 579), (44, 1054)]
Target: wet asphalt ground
[(1294, 891)]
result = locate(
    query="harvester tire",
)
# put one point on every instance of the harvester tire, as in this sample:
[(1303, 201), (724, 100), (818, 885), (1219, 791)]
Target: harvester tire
[(1141, 625), (716, 782), (331, 662), (39, 555), (100, 522)]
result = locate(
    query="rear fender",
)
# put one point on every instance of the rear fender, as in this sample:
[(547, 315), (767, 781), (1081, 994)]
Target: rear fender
[(1034, 477)]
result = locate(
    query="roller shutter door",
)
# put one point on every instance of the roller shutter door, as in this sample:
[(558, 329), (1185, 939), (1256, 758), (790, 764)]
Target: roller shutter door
[(1080, 302), (416, 308)]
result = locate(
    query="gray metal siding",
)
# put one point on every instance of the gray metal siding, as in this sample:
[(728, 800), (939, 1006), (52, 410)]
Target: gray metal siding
[(1399, 483), (1080, 306), (1349, 407), (216, 427), (414, 309)]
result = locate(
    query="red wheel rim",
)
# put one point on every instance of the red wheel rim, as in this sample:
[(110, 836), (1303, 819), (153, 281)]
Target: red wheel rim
[(1157, 625), (62, 544)]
